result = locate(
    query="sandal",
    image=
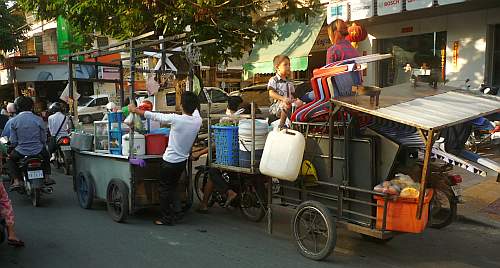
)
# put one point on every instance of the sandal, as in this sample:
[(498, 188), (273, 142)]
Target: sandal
[(163, 222), (15, 243)]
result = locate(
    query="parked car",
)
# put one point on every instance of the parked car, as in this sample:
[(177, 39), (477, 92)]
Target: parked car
[(91, 108), (218, 96)]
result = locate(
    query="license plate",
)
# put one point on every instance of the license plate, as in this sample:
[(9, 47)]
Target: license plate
[(65, 148), (35, 174), (457, 189)]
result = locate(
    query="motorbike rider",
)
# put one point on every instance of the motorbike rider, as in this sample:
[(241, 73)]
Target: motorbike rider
[(58, 124), (28, 137), (11, 110)]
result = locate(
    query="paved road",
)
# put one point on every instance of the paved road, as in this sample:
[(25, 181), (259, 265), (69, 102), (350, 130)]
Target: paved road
[(61, 234)]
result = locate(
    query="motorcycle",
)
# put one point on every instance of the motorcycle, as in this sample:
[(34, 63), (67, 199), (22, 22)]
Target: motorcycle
[(250, 199), (33, 177), (447, 195), (63, 155)]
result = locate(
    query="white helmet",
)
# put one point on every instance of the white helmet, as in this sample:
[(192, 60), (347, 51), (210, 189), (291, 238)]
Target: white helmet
[(11, 108), (111, 106)]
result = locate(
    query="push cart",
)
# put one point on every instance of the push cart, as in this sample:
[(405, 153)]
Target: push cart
[(127, 182), (363, 144), (125, 188)]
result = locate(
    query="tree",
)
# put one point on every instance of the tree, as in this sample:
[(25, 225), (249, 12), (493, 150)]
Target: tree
[(11, 23), (237, 24)]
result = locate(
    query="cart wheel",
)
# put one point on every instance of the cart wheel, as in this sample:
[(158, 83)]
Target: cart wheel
[(251, 205), (85, 190), (376, 240), (117, 200), (199, 183), (443, 208), (314, 230)]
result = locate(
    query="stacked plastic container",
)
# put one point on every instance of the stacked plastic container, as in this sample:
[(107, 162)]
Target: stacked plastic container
[(245, 141), (115, 132)]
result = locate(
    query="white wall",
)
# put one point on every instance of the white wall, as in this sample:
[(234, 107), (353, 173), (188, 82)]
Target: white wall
[(469, 29)]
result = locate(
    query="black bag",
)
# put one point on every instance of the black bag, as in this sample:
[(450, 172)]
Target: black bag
[(51, 141)]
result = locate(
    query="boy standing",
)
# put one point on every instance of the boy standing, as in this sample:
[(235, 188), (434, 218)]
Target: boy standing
[(183, 132)]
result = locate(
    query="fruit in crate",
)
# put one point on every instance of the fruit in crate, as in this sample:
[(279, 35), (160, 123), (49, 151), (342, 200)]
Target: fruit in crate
[(409, 192)]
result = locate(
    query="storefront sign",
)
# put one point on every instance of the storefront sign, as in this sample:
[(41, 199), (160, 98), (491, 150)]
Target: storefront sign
[(418, 4), (42, 73), (447, 2), (322, 42), (386, 7), (361, 9), (112, 73), (337, 10), (26, 60)]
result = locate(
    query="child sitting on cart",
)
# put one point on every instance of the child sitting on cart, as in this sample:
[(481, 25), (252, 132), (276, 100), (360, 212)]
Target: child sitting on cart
[(281, 90), (183, 132)]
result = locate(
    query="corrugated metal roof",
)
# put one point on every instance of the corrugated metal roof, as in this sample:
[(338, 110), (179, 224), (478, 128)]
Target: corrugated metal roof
[(439, 111)]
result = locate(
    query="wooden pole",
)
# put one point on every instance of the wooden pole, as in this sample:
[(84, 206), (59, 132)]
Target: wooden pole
[(425, 171)]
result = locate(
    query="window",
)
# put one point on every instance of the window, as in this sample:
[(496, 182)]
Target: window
[(102, 41), (425, 51), (495, 60), (202, 98), (101, 101), (82, 101), (170, 99), (91, 104)]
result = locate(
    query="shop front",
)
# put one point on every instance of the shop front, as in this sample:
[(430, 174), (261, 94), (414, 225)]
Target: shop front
[(454, 41)]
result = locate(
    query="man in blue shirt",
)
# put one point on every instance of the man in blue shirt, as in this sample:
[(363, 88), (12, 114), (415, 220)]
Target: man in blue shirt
[(28, 136)]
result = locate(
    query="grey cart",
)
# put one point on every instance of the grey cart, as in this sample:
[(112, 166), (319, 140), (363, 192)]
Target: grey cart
[(125, 188)]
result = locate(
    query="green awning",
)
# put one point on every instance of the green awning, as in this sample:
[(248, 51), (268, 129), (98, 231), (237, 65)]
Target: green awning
[(293, 39)]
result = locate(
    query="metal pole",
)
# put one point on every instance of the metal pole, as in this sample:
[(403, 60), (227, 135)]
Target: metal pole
[(132, 80), (252, 153), (122, 92), (425, 171), (209, 124), (269, 206), (70, 87)]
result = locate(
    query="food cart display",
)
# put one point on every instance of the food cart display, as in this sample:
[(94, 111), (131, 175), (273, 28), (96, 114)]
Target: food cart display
[(365, 143), (116, 170)]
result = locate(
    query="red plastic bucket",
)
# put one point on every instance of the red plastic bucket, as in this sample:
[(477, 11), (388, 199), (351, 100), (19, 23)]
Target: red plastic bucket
[(156, 144)]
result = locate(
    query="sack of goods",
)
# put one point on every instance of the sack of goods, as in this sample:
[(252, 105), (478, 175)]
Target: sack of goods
[(402, 185)]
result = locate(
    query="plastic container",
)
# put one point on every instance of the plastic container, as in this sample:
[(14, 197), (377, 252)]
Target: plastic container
[(156, 144), (402, 214), (282, 156), (163, 131), (139, 144), (226, 145), (82, 141), (245, 127), (246, 158), (115, 140)]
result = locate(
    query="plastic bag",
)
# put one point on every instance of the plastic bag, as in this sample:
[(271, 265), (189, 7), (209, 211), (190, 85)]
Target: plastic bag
[(135, 122)]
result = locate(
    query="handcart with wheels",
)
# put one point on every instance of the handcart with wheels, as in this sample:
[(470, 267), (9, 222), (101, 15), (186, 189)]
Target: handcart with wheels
[(245, 178), (364, 143)]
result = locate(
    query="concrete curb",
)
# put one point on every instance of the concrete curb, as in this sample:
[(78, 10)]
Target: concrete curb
[(479, 220)]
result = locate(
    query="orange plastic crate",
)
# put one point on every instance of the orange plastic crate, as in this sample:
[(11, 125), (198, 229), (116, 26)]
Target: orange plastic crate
[(402, 214)]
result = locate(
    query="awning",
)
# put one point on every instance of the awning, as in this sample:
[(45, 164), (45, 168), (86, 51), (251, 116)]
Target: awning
[(293, 39)]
